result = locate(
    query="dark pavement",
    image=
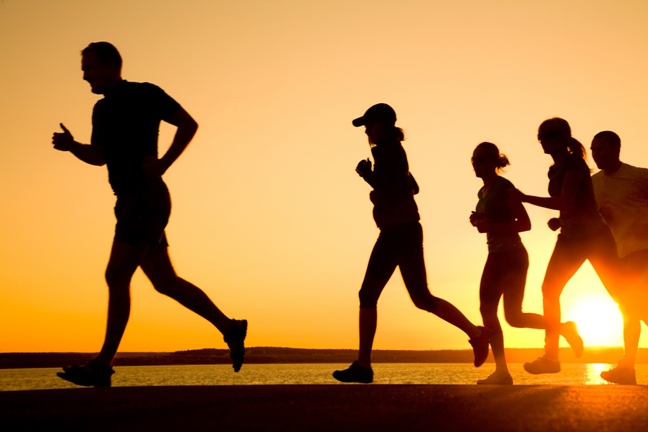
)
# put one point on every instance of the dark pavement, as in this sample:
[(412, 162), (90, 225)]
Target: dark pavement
[(330, 408)]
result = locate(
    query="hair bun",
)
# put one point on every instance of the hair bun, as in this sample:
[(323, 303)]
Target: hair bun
[(502, 161)]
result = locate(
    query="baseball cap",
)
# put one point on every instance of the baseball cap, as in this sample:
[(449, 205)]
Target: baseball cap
[(381, 113)]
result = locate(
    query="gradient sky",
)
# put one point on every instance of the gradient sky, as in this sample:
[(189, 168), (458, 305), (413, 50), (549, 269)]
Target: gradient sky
[(269, 217)]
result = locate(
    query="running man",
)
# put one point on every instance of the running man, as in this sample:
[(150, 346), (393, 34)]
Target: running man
[(622, 194), (125, 125)]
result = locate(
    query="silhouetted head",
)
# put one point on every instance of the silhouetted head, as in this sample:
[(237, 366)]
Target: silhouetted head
[(555, 136), (380, 124), (487, 159), (101, 65), (606, 150)]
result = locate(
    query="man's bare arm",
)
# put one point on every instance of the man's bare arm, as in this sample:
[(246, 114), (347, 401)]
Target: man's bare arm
[(63, 141), (187, 128)]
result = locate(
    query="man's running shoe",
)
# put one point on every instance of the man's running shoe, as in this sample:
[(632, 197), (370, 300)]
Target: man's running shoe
[(480, 346), (354, 374), (235, 340), (542, 365), (497, 378), (569, 330), (620, 375), (90, 375)]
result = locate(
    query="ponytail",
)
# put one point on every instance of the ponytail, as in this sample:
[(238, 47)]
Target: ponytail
[(502, 161), (398, 134), (558, 128), (493, 152), (575, 147)]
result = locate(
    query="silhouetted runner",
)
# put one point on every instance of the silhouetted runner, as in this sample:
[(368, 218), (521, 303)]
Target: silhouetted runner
[(124, 137), (505, 272), (400, 243), (622, 194), (584, 235)]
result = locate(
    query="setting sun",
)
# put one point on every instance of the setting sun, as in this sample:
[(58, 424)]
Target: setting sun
[(599, 320)]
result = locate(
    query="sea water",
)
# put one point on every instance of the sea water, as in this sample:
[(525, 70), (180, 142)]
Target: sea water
[(384, 373)]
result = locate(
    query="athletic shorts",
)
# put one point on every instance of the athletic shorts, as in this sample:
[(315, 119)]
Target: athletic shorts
[(398, 246), (143, 214)]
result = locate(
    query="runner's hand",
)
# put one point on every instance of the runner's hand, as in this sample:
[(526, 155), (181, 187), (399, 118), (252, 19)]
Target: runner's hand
[(63, 141), (554, 224), (364, 166), (474, 217)]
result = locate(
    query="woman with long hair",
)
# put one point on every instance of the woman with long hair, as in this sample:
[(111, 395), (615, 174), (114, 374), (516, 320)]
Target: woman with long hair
[(583, 236), (505, 271), (400, 243)]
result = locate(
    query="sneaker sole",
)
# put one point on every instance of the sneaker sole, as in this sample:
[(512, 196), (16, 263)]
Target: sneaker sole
[(351, 381)]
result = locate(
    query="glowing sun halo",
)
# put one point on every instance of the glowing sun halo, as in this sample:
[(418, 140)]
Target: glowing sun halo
[(599, 321)]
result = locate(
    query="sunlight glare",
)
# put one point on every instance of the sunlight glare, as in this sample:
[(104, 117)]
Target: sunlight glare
[(593, 374), (599, 321)]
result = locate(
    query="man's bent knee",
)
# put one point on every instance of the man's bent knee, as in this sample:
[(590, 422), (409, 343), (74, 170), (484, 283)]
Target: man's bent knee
[(166, 286), (427, 303)]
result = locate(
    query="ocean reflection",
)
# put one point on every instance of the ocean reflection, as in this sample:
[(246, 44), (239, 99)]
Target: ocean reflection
[(385, 373), (594, 373)]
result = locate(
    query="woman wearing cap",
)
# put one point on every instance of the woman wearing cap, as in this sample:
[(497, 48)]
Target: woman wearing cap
[(400, 243), (506, 267), (584, 235)]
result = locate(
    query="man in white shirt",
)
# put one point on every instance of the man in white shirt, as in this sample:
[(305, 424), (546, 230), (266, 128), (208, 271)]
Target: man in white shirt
[(622, 194)]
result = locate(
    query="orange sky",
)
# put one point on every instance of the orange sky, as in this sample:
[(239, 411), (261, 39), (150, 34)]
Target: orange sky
[(269, 217)]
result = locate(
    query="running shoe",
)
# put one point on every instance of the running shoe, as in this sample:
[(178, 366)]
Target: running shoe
[(620, 375), (90, 375), (569, 330), (542, 365), (497, 378), (480, 346), (235, 340), (355, 373)]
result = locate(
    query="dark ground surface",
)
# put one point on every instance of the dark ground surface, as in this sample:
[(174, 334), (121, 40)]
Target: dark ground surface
[(330, 408)]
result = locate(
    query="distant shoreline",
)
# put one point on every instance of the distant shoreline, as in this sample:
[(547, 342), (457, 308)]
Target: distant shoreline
[(278, 355)]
